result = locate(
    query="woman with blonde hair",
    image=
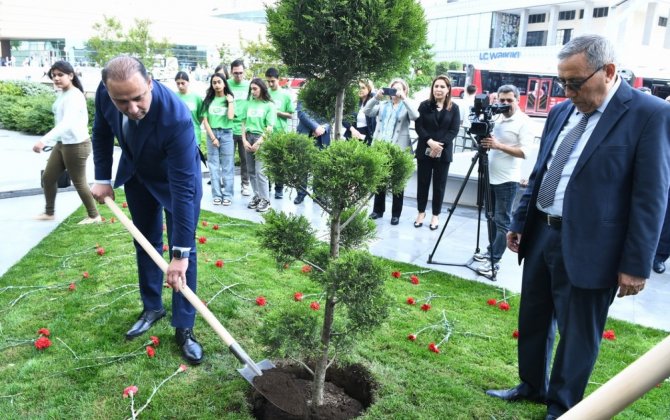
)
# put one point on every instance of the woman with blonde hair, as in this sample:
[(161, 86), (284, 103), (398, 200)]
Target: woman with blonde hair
[(364, 125), (437, 126), (70, 141), (394, 117)]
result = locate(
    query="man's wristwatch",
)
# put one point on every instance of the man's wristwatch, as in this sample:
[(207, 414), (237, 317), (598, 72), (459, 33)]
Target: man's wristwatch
[(180, 253)]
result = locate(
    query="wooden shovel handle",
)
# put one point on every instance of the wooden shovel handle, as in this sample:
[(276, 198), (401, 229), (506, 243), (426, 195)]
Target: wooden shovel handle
[(158, 259)]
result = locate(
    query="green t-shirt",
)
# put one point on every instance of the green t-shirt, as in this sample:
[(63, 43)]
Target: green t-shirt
[(194, 104), (217, 113), (259, 116), (240, 92), (283, 102)]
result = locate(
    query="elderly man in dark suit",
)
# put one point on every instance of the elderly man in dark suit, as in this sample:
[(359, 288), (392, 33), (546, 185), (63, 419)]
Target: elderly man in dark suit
[(589, 221), (160, 171)]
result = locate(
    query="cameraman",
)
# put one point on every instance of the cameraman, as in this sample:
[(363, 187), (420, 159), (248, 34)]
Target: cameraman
[(508, 145)]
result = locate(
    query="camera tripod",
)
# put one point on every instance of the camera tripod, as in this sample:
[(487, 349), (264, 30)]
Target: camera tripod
[(483, 203)]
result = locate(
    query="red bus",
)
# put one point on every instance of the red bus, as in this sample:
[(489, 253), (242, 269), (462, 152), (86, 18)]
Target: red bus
[(539, 92)]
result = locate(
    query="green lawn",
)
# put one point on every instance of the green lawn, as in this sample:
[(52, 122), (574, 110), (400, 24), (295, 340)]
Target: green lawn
[(83, 373)]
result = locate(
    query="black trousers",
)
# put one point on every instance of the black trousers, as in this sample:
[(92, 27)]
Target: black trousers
[(427, 169), (549, 300), (380, 203)]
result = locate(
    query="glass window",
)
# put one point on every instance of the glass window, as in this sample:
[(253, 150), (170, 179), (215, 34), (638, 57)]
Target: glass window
[(566, 15), (600, 12), (536, 38), (537, 18), (662, 21)]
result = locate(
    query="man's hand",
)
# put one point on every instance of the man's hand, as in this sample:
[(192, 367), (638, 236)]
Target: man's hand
[(490, 143), (100, 191), (513, 241), (630, 285), (37, 148), (318, 131), (176, 273)]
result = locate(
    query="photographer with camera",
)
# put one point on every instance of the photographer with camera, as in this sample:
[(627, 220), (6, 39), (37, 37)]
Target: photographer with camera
[(508, 144)]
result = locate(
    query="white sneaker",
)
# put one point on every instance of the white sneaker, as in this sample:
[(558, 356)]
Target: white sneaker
[(486, 270), (482, 256), (263, 206), (91, 220), (246, 191)]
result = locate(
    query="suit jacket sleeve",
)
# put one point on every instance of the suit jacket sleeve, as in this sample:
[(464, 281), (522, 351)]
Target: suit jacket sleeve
[(102, 138)]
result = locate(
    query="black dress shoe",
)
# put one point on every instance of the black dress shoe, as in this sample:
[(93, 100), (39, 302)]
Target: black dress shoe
[(299, 199), (433, 227), (191, 350), (395, 220), (517, 393), (375, 216), (659, 266), (550, 417), (144, 322), (279, 195)]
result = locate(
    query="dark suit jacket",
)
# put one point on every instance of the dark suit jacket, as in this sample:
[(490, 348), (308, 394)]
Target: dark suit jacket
[(428, 126), (307, 123), (165, 157), (616, 197)]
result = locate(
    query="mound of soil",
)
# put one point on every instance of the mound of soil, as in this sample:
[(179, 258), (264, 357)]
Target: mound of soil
[(284, 393)]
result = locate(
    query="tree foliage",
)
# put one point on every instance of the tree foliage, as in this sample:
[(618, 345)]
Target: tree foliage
[(343, 40), (262, 55), (111, 40)]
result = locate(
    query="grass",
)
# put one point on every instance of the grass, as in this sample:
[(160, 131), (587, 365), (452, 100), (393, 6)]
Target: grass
[(88, 324)]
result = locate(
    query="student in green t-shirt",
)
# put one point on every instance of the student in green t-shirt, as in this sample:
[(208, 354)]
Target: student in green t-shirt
[(285, 110), (192, 101), (259, 118), (219, 106), (240, 88)]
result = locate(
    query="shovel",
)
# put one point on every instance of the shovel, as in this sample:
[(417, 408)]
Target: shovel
[(251, 370)]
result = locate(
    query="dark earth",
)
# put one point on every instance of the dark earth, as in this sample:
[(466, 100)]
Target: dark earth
[(284, 392)]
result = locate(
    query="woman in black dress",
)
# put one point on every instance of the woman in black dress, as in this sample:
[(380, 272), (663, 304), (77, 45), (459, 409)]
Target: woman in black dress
[(437, 126)]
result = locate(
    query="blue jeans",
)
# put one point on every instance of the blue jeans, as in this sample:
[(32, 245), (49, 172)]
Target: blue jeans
[(221, 162), (502, 197)]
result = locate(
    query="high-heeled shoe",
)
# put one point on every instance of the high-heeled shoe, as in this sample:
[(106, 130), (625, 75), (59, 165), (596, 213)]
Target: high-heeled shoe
[(418, 224), (434, 226)]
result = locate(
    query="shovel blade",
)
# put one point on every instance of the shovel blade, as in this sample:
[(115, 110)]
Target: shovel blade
[(286, 396)]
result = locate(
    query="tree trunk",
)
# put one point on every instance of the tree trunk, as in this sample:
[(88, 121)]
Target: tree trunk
[(339, 109), (322, 362)]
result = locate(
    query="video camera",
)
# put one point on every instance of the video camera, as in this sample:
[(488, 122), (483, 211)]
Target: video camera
[(481, 115)]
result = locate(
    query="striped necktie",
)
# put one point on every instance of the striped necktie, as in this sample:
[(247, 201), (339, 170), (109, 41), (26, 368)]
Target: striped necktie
[(545, 196)]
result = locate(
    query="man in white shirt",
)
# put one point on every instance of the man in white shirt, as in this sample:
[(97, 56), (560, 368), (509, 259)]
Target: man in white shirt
[(508, 145)]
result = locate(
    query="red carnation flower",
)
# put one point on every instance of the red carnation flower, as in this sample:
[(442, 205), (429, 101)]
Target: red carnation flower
[(396, 274), (204, 302), (491, 302), (165, 248), (202, 239), (315, 305), (515, 334), (215, 227), (432, 347), (411, 301), (504, 306), (411, 337), (261, 301), (204, 223), (42, 343), (425, 307), (43, 331), (285, 266), (112, 220), (151, 352), (85, 275), (414, 279), (297, 296), (609, 335), (124, 205), (72, 286), (103, 219), (155, 340), (306, 268), (130, 391), (183, 368), (219, 263), (100, 251)]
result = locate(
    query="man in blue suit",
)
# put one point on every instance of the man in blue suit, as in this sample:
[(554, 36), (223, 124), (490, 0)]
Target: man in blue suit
[(589, 221), (160, 171), (315, 127)]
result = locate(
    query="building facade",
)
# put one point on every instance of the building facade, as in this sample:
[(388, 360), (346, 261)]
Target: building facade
[(525, 35)]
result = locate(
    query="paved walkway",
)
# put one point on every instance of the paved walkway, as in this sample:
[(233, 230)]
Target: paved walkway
[(21, 199)]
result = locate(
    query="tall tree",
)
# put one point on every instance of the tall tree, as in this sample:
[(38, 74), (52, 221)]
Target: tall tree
[(111, 40), (342, 40), (262, 55)]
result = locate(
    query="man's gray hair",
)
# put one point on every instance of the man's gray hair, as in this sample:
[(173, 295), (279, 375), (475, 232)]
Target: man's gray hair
[(122, 68), (598, 50), (508, 89)]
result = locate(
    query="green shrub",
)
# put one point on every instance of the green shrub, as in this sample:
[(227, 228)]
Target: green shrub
[(26, 88), (30, 114), (10, 88)]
